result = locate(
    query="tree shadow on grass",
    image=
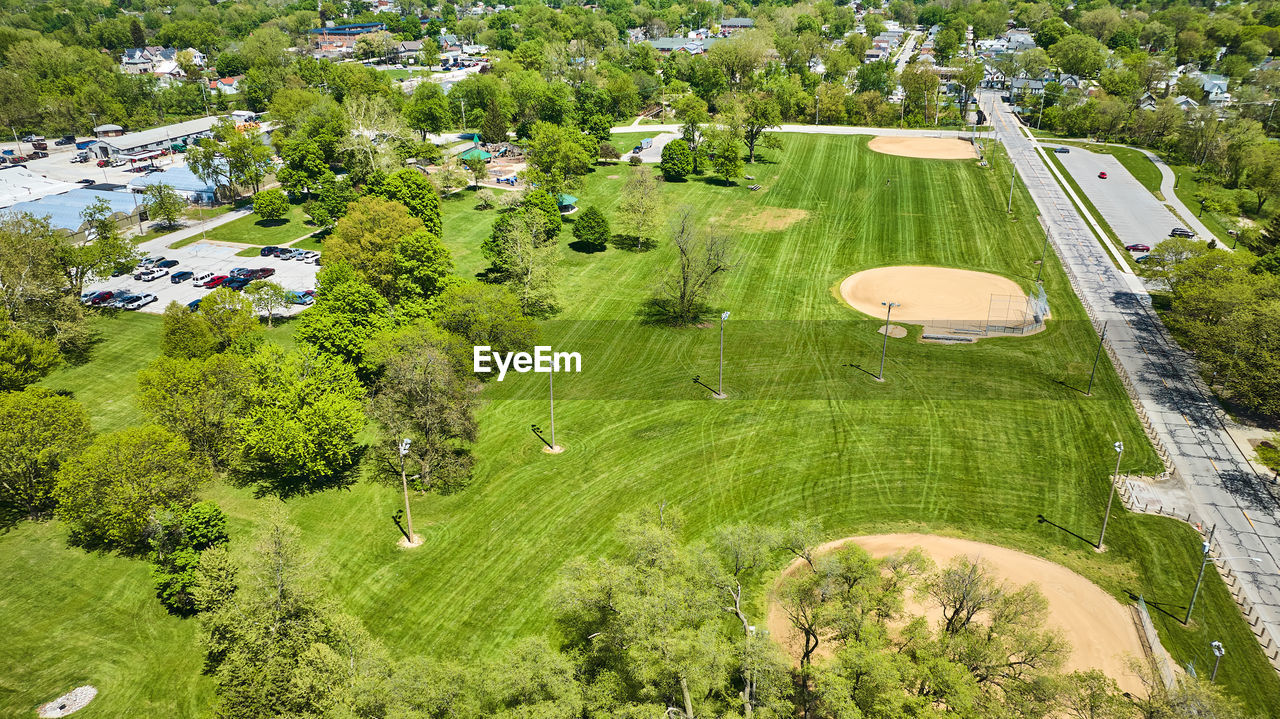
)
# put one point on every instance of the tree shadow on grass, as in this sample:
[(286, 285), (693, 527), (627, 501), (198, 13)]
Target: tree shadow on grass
[(631, 243), (586, 248), (265, 224), (1161, 606)]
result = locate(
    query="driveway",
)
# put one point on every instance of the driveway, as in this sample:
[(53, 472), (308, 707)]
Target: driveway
[(1128, 206)]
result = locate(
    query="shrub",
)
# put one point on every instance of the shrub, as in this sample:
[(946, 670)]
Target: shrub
[(270, 204), (677, 160), (635, 160), (485, 199), (608, 151)]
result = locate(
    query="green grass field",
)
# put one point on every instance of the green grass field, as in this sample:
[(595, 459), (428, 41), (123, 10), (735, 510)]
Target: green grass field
[(983, 441), (252, 230)]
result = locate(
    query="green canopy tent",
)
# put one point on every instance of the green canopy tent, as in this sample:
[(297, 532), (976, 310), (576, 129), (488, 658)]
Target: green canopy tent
[(475, 153)]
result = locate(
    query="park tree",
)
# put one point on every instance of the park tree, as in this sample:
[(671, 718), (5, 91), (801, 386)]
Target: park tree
[(106, 248), (484, 314), (274, 642), (423, 266), (548, 206), (270, 204), (335, 198), (677, 160), (199, 399), (1263, 172), (299, 431), (345, 318), (164, 203), (876, 76), (366, 239), (592, 228), (304, 169), (231, 318), (177, 537), (450, 176), (427, 110), (108, 493), (478, 170), (640, 206), (424, 396), (759, 114), (24, 358), (524, 256), (701, 260), (186, 334), (725, 145), (267, 297), (496, 123), (557, 158), (39, 431), (692, 113), (413, 190)]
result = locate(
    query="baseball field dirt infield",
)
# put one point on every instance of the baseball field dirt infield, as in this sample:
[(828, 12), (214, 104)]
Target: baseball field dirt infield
[(926, 294), (1101, 631), (926, 148)]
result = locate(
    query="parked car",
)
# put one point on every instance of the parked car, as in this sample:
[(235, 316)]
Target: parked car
[(167, 263), (141, 301), (87, 295), (240, 272), (65, 140), (183, 276), (84, 181), (41, 145), (1142, 258), (1138, 248), (152, 275), (216, 280), (281, 252), (101, 163), (312, 257), (268, 251), (236, 283), (100, 297), (296, 255), (1102, 175), (1181, 232), (119, 301), (261, 273), (81, 157), (194, 305), (38, 155), (1062, 150), (299, 298), (32, 138), (149, 261)]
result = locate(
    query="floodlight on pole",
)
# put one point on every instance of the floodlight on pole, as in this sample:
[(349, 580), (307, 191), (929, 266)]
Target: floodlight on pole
[(1218, 651), (720, 391), (1111, 492), (884, 348), (403, 449)]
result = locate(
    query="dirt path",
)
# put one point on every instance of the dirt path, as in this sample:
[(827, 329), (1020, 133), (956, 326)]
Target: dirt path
[(1101, 631)]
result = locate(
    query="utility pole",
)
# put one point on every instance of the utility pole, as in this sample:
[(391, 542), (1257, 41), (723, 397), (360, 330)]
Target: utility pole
[(1111, 493), (1097, 356)]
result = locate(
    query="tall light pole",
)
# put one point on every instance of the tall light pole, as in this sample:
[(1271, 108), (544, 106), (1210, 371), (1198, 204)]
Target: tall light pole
[(1044, 255), (1218, 651), (1200, 578), (1111, 492), (551, 389), (1013, 175), (403, 448), (720, 392), (884, 348)]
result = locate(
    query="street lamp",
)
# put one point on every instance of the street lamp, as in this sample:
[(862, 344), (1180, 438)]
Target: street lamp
[(1218, 651), (403, 449), (884, 348), (720, 392), (1200, 578), (1111, 492)]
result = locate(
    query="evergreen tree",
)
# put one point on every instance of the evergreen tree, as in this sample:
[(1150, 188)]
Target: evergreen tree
[(592, 227)]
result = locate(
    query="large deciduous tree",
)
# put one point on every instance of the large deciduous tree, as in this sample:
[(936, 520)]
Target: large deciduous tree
[(39, 431), (701, 260), (367, 237), (200, 399), (108, 493)]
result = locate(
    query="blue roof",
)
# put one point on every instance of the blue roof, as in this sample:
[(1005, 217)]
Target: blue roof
[(179, 177), (64, 210), (356, 29)]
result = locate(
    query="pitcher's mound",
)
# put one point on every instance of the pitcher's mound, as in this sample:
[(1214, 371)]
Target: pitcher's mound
[(928, 148), (1100, 630), (943, 299)]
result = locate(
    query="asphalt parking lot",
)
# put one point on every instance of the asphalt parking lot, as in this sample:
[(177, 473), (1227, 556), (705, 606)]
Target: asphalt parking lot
[(58, 165), (218, 258), (1132, 211)]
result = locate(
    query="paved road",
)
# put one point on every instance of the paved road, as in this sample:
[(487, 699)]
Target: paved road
[(1226, 493), (1126, 204)]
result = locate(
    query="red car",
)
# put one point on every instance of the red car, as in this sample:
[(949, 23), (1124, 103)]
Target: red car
[(1102, 175), (1138, 248), (215, 281)]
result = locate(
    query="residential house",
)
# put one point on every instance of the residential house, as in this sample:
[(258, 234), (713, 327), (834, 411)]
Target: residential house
[(1019, 39), (145, 60), (409, 49), (226, 85), (1215, 88), (735, 24)]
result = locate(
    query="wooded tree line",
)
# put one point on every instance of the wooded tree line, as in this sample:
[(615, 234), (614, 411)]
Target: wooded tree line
[(667, 627)]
